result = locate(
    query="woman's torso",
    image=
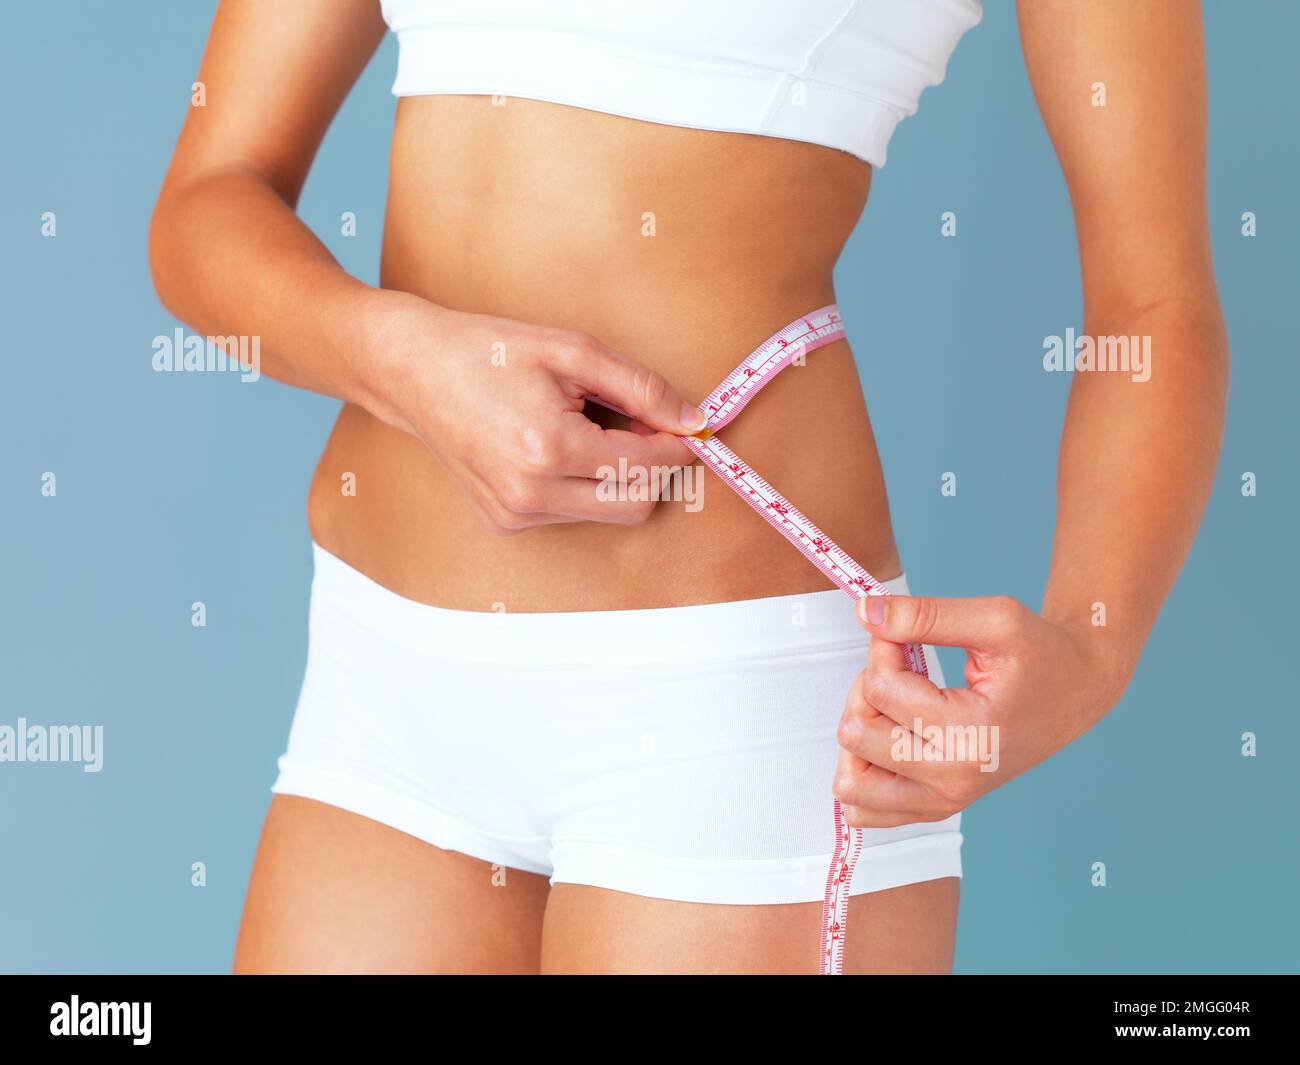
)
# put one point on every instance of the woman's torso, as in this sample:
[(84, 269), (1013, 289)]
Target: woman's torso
[(543, 213)]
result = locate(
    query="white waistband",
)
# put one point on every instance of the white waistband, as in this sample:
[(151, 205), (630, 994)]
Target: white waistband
[(824, 621)]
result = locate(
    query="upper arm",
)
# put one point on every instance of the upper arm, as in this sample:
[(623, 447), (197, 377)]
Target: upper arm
[(274, 75), (1135, 167)]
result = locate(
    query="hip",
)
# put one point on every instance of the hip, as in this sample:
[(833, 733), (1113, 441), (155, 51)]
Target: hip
[(681, 753)]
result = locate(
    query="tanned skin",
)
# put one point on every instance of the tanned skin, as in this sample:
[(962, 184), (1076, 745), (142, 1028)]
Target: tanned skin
[(475, 480)]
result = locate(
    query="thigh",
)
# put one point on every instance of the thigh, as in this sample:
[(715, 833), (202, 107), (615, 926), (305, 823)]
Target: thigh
[(910, 929), (335, 892)]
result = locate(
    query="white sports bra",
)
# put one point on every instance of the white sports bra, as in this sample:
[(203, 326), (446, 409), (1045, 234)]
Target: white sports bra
[(842, 73)]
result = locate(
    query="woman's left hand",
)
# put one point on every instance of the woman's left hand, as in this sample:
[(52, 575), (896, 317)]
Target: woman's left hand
[(915, 752)]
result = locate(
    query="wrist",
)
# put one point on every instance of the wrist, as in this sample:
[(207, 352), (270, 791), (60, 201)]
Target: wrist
[(382, 369)]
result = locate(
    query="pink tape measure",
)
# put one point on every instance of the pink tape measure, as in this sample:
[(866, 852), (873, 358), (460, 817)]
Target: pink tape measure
[(800, 337)]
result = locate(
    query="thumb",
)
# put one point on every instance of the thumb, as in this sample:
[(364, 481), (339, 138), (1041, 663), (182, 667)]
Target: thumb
[(987, 622), (636, 391)]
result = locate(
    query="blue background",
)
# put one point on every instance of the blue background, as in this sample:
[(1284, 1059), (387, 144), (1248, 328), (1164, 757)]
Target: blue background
[(174, 488)]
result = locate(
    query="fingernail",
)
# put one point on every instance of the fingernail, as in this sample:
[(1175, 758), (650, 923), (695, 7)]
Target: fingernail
[(693, 418), (872, 609)]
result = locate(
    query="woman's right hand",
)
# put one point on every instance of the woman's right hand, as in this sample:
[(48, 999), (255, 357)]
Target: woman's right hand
[(500, 405)]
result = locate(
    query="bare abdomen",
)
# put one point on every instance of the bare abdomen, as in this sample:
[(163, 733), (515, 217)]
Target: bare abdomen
[(682, 249)]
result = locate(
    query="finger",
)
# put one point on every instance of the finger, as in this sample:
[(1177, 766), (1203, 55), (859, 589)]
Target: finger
[(587, 450), (877, 798), (505, 522), (638, 392), (890, 688), (581, 499), (885, 743), (517, 523), (552, 501), (989, 622), (865, 817), (483, 500)]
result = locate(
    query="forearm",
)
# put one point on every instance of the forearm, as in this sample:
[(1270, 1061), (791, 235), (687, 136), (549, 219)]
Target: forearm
[(230, 257), (1136, 468)]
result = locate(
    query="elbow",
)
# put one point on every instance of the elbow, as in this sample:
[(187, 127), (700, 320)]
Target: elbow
[(1220, 350)]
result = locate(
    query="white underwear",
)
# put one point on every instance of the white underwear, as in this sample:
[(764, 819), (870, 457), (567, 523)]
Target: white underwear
[(682, 753)]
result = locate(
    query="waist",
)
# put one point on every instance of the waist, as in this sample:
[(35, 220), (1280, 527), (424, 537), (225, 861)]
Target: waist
[(757, 629), (683, 250), (382, 502)]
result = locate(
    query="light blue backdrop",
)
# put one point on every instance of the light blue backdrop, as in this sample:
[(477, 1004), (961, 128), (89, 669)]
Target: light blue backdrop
[(177, 488)]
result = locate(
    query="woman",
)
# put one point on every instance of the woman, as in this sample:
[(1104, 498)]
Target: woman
[(604, 738)]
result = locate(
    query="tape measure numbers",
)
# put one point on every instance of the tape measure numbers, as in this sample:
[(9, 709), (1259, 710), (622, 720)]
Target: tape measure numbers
[(783, 348)]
